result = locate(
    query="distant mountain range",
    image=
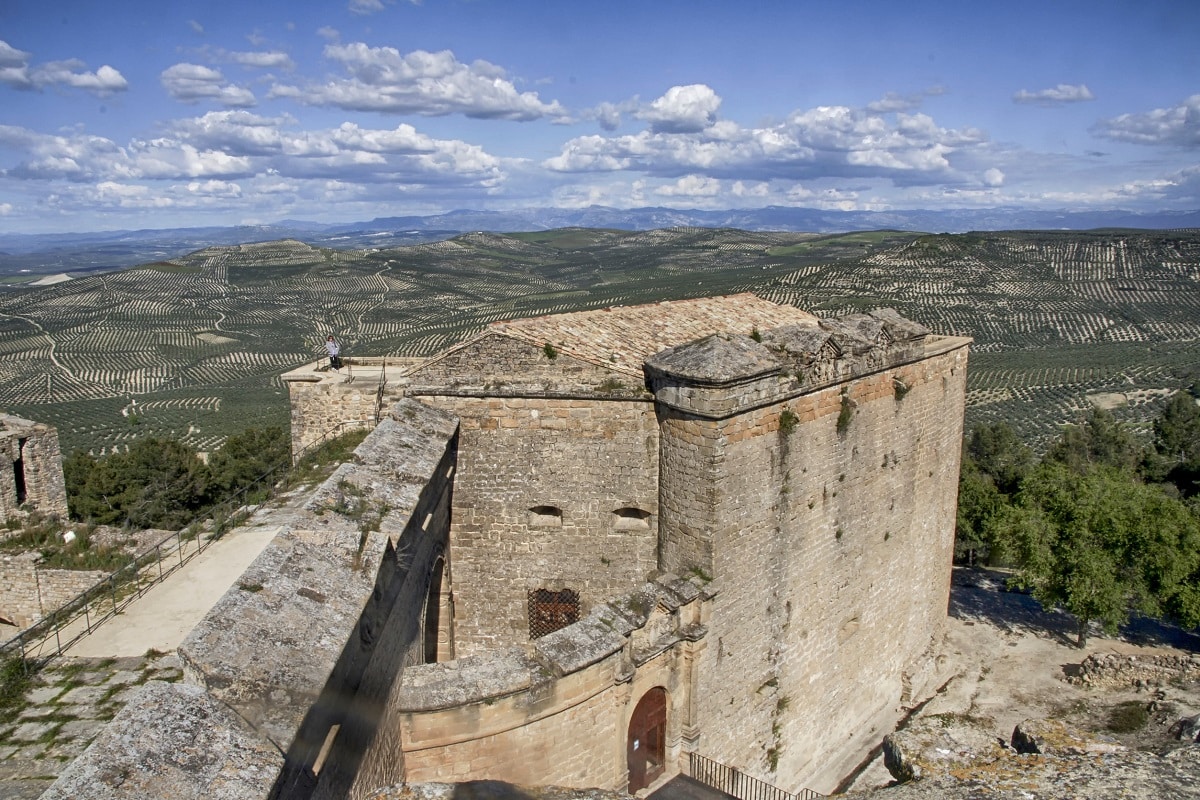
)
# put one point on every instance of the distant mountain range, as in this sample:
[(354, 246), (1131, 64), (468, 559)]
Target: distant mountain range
[(86, 252)]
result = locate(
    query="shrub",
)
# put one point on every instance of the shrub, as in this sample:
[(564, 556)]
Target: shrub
[(845, 415)]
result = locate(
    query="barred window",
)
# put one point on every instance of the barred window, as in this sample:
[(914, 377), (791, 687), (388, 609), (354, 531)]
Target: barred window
[(551, 610)]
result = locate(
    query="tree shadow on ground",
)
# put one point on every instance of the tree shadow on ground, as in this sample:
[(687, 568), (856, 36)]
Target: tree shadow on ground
[(982, 594)]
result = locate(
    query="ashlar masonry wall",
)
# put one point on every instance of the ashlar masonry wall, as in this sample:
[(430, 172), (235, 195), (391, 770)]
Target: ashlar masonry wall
[(830, 544), (560, 713), (557, 484), (325, 403)]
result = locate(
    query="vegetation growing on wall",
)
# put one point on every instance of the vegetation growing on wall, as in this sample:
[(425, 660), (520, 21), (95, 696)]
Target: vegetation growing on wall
[(845, 414)]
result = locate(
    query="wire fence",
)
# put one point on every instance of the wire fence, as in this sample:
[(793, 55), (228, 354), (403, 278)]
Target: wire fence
[(55, 633)]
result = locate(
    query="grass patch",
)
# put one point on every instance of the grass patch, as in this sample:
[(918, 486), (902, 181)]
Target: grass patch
[(319, 462), (1128, 717), (16, 676)]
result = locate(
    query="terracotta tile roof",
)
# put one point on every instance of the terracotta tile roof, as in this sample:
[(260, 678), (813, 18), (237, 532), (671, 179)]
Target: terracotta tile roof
[(623, 337)]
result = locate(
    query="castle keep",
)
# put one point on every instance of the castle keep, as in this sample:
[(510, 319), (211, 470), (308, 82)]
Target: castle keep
[(604, 541)]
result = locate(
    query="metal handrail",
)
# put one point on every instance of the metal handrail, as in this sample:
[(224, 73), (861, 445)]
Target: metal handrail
[(109, 596), (736, 783)]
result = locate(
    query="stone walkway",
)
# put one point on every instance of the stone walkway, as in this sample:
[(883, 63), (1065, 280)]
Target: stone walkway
[(69, 702), (74, 696)]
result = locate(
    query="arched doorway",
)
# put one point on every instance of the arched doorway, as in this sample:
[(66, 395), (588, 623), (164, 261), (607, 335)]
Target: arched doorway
[(646, 747)]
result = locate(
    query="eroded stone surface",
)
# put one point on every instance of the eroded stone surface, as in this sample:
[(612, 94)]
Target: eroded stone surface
[(173, 740), (947, 759)]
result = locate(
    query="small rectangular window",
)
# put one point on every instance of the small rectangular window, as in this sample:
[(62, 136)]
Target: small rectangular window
[(545, 517)]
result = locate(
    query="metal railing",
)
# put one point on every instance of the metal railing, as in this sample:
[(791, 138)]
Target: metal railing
[(54, 633), (738, 784)]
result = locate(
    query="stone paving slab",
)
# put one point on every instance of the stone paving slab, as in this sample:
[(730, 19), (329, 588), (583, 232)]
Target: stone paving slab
[(69, 704)]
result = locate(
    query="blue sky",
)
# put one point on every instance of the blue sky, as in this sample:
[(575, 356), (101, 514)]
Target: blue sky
[(162, 114)]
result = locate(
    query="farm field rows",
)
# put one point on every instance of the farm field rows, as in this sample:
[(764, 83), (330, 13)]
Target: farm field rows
[(193, 348)]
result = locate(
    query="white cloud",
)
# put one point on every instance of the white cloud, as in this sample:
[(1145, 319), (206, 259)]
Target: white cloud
[(755, 189), (240, 132), (822, 141), (365, 6), (1061, 94), (12, 57), (103, 81), (328, 33), (264, 60), (683, 109), (993, 177), (691, 186), (1182, 187), (190, 83), (893, 101), (608, 115), (5, 209), (16, 71), (195, 26), (1177, 127), (240, 146), (432, 84)]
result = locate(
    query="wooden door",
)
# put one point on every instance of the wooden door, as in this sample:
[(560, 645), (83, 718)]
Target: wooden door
[(646, 746)]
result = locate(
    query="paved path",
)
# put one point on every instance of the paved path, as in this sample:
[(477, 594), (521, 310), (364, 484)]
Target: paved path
[(161, 618), (682, 787), (73, 697), (164, 615)]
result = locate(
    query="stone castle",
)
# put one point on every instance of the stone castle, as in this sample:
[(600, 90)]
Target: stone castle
[(579, 550)]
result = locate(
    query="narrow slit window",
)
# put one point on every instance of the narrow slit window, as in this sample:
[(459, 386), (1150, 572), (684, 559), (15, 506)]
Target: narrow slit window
[(545, 517), (631, 519)]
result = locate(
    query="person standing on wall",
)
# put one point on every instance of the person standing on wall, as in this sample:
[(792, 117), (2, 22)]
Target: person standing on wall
[(335, 359)]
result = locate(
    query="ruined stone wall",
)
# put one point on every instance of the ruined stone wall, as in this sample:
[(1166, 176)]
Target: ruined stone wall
[(560, 715), (542, 500), (831, 553), (28, 593), (31, 449), (322, 404)]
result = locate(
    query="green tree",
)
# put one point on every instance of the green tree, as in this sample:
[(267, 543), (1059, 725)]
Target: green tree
[(247, 458), (157, 483), (1100, 544), (1098, 440), (1176, 456), (979, 503), (999, 453)]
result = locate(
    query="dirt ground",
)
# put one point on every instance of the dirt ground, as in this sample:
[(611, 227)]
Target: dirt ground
[(1011, 661)]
